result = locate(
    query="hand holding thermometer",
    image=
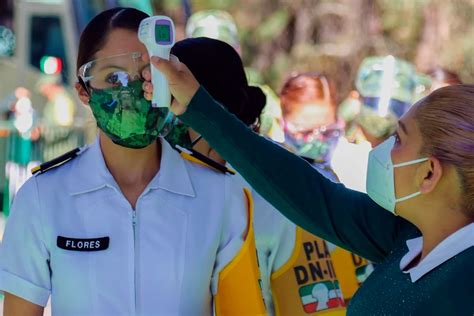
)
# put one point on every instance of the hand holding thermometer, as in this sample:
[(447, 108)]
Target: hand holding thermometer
[(157, 33)]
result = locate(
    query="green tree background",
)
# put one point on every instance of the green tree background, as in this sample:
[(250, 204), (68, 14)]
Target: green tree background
[(279, 37)]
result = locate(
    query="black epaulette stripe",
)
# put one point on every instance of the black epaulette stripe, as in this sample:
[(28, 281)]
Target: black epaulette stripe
[(210, 162), (56, 162), (52, 167)]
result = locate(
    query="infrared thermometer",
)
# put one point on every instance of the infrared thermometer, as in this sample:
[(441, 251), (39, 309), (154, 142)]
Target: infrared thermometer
[(157, 33)]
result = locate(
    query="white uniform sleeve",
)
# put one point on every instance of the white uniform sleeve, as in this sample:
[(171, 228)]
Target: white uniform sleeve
[(284, 242), (275, 237), (233, 229), (24, 257)]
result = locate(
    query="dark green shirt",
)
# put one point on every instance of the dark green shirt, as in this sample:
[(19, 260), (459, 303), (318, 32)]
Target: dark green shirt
[(344, 217)]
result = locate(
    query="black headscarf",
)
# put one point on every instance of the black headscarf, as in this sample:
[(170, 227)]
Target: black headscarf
[(218, 67)]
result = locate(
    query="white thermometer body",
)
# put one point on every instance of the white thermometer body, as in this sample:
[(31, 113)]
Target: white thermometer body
[(157, 33)]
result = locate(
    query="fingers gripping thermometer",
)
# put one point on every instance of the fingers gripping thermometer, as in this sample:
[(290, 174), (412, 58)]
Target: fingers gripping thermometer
[(157, 33)]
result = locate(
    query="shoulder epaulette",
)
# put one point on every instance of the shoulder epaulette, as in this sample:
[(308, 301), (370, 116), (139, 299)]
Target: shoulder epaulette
[(56, 162), (196, 157)]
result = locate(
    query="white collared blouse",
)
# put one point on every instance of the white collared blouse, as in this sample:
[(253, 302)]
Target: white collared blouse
[(451, 246)]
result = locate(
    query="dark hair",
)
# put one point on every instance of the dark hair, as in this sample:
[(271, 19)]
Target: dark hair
[(95, 34), (306, 88), (218, 67)]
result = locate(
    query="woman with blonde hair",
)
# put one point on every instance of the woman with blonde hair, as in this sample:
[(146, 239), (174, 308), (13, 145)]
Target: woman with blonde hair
[(417, 221)]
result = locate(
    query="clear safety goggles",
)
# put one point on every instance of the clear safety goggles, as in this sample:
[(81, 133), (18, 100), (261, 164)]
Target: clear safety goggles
[(324, 132), (113, 71)]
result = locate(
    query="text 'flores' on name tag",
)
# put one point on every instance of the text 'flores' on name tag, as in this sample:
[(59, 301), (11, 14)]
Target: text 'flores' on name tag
[(83, 244)]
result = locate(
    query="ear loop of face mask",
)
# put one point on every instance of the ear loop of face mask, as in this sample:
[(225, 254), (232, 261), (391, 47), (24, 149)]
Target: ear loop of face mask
[(408, 163)]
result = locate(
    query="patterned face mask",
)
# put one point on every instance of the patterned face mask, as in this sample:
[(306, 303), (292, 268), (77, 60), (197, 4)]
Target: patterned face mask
[(118, 104), (127, 118), (316, 144), (318, 150), (179, 135)]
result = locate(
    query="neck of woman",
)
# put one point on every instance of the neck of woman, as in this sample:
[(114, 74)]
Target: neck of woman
[(440, 224), (131, 167)]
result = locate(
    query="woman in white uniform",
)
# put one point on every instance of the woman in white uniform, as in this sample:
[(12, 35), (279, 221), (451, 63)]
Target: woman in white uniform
[(125, 226)]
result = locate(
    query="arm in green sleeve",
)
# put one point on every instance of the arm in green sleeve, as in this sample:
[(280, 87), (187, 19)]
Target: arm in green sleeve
[(344, 217)]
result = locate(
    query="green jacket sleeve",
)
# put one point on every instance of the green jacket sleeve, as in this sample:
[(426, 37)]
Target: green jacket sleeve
[(344, 217)]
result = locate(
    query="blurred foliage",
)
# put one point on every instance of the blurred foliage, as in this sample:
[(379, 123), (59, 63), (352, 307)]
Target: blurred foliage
[(333, 36)]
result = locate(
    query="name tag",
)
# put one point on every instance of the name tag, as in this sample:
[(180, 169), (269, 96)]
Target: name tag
[(82, 244)]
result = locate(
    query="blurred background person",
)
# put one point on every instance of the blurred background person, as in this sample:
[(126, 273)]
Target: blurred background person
[(218, 24), (287, 254), (312, 129), (215, 24), (348, 110), (441, 77), (314, 132), (387, 89)]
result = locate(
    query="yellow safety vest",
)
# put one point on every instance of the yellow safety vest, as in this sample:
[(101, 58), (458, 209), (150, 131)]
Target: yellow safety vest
[(239, 292), (351, 270), (307, 283)]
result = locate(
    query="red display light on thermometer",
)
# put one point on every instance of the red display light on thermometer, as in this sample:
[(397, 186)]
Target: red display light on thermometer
[(157, 33)]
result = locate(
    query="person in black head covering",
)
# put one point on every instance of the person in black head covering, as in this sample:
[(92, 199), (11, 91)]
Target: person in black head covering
[(218, 67)]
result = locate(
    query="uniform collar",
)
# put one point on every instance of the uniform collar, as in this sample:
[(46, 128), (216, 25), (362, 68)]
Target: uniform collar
[(172, 177), (447, 249)]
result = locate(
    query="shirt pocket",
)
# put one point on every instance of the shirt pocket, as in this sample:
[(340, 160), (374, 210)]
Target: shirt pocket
[(72, 278)]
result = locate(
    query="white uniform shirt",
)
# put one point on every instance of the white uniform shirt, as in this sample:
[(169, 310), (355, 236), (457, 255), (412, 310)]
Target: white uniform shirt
[(187, 228)]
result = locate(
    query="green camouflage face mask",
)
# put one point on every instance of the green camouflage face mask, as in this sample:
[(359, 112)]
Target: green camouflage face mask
[(179, 135), (126, 117)]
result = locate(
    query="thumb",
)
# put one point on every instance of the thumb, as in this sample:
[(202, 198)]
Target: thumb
[(183, 86), (169, 68)]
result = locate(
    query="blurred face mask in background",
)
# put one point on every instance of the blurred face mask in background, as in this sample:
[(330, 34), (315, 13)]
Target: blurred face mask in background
[(117, 101), (316, 144)]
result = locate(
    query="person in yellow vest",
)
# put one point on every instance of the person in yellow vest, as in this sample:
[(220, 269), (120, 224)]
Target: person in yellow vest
[(127, 226), (298, 274), (315, 133)]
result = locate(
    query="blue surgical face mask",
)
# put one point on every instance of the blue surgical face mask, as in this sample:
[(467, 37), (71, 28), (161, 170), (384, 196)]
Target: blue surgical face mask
[(380, 179)]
